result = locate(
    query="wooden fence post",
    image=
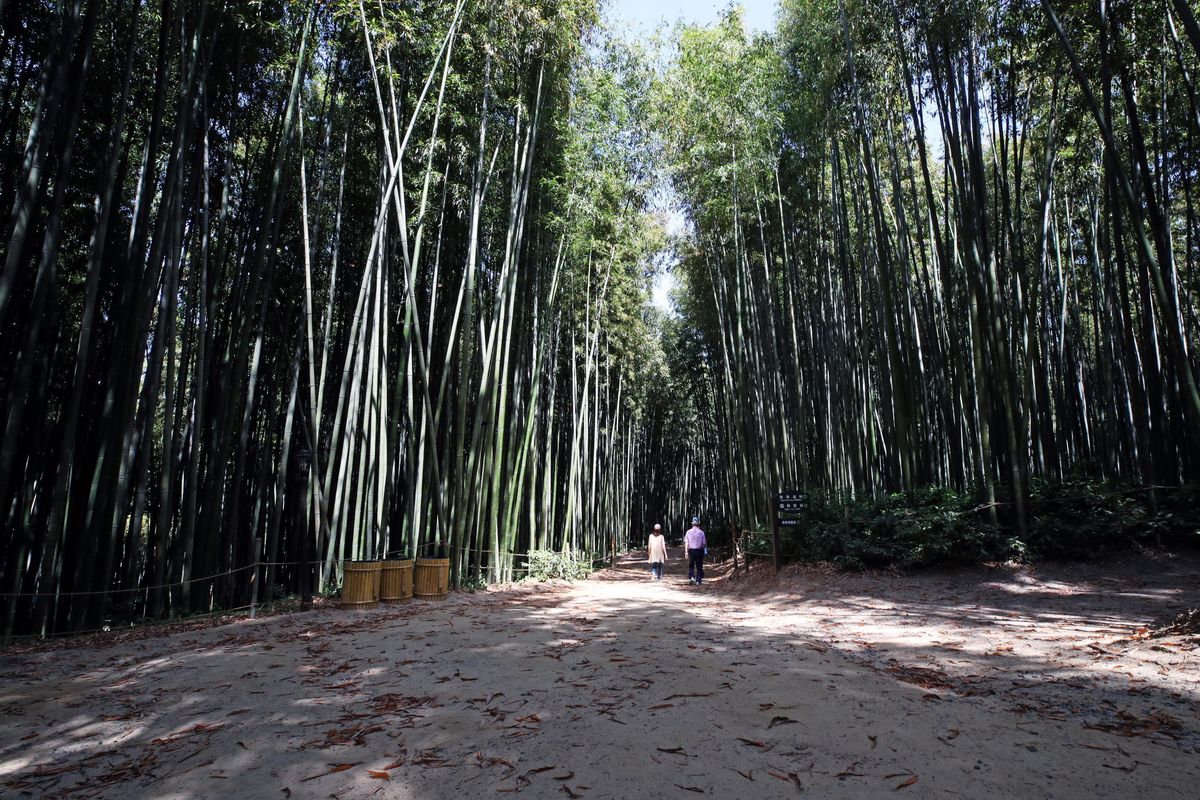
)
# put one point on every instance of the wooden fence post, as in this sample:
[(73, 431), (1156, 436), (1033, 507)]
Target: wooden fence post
[(733, 538), (775, 533), (254, 577)]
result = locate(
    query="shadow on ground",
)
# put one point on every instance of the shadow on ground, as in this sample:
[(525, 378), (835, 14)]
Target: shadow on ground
[(620, 687)]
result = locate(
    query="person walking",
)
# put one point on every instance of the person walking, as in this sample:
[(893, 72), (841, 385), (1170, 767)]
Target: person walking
[(656, 552), (696, 546)]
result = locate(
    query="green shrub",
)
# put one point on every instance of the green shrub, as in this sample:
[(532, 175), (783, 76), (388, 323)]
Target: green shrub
[(1177, 517), (909, 529), (1081, 519), (545, 565), (1076, 518), (473, 583)]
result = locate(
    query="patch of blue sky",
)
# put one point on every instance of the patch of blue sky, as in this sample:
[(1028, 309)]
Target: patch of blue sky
[(643, 18)]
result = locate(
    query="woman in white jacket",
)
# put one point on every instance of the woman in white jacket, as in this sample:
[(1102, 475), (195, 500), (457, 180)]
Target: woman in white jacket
[(656, 553)]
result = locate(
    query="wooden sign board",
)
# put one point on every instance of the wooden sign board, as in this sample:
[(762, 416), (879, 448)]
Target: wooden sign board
[(791, 502), (788, 506)]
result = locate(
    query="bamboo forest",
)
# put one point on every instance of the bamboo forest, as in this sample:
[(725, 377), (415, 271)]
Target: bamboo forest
[(290, 285), (439, 399)]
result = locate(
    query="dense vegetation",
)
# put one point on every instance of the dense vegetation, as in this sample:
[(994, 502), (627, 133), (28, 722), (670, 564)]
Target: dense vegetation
[(289, 283), (947, 250)]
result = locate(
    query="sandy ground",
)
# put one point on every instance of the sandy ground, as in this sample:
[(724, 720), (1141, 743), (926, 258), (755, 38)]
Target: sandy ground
[(1013, 682)]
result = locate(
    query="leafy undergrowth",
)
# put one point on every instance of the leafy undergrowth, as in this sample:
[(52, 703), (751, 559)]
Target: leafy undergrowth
[(1076, 519), (547, 565)]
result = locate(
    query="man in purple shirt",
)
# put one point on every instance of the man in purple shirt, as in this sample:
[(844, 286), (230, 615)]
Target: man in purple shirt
[(696, 545)]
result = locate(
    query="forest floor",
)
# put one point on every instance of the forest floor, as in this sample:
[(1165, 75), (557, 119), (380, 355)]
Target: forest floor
[(1008, 682)]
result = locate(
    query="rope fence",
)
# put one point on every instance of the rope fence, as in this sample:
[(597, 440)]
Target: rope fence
[(248, 567), (126, 591), (142, 625), (252, 607), (1069, 498), (791, 534), (768, 554), (425, 547), (981, 507)]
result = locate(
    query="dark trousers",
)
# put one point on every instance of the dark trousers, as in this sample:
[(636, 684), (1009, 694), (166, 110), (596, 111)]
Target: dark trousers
[(656, 569), (696, 564)]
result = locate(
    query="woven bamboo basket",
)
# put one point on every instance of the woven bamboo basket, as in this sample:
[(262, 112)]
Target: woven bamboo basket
[(431, 578), (360, 586), (396, 581)]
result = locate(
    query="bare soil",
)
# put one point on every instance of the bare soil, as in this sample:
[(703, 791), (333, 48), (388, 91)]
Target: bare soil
[(1024, 682)]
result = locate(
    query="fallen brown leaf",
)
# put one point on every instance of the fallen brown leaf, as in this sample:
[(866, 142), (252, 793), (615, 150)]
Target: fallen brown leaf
[(909, 781), (335, 768)]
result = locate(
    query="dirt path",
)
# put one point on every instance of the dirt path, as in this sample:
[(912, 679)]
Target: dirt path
[(1004, 684)]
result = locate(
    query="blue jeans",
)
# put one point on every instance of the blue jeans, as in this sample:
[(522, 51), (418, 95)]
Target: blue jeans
[(656, 569), (696, 564)]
